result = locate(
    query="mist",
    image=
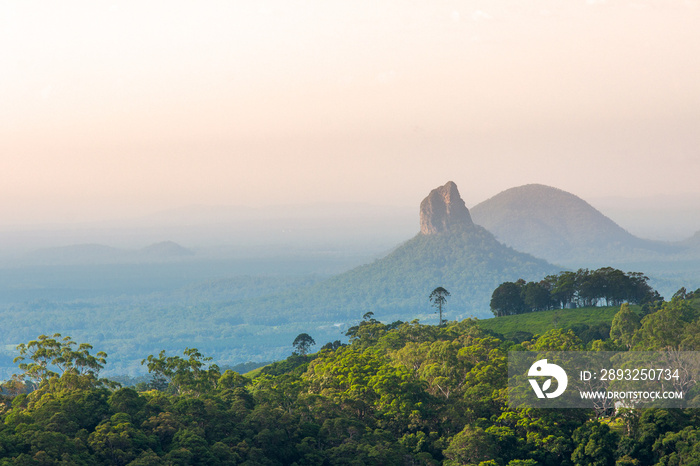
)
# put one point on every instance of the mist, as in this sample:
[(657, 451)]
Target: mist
[(122, 110)]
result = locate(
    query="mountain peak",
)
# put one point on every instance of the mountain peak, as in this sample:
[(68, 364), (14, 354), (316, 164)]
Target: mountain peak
[(166, 249), (561, 227), (442, 210)]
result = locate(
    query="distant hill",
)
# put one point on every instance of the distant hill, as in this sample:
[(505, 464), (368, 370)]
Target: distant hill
[(451, 251), (563, 229), (693, 242), (165, 250)]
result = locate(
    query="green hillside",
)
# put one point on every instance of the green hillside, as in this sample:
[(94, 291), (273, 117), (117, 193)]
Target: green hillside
[(537, 323)]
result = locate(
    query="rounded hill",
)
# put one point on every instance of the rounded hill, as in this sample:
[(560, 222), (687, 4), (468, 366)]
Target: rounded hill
[(558, 226), (166, 249)]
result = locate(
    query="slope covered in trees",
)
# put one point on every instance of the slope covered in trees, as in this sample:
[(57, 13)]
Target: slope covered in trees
[(398, 394), (450, 251), (467, 261)]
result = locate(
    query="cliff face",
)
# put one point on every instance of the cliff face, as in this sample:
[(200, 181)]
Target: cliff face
[(442, 210)]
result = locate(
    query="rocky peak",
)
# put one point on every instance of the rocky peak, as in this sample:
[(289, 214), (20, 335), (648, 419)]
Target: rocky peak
[(443, 209)]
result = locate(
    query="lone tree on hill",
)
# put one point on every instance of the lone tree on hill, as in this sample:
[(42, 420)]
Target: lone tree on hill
[(439, 297), (302, 343)]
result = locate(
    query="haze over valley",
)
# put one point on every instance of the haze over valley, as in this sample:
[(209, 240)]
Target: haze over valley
[(269, 275), (290, 232)]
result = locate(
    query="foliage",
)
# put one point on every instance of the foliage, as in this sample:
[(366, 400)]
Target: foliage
[(53, 357), (56, 366), (624, 325), (439, 297), (673, 326), (399, 393), (183, 375), (302, 343), (583, 288)]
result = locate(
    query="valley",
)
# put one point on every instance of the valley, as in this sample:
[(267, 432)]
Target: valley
[(248, 305)]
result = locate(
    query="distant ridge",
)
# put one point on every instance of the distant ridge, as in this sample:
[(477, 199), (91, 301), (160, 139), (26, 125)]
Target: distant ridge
[(165, 249), (562, 228)]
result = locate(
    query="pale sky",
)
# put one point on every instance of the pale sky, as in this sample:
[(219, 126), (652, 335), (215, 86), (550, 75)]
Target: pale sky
[(112, 109)]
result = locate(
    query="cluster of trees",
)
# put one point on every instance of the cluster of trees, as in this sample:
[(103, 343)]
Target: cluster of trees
[(583, 288), (683, 293), (397, 394)]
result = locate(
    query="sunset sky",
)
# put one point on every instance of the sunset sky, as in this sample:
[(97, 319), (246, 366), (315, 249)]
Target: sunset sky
[(112, 109)]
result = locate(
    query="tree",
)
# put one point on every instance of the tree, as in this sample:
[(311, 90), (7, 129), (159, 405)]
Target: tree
[(332, 345), (679, 447), (439, 297), (536, 297), (55, 359), (302, 343), (682, 293), (595, 445), (471, 446), (507, 300), (369, 317), (669, 328), (556, 340), (624, 325), (563, 288), (117, 441), (184, 375)]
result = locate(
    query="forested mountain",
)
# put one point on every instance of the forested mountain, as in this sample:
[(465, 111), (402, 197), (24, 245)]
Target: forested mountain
[(450, 251), (564, 229), (469, 263)]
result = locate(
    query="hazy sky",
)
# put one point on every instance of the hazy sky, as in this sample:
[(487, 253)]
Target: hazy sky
[(124, 108)]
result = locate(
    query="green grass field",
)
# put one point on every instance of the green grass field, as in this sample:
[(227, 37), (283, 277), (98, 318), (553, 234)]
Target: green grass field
[(538, 323)]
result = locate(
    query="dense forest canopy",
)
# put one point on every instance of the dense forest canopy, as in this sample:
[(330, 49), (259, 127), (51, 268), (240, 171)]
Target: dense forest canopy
[(583, 288), (398, 394)]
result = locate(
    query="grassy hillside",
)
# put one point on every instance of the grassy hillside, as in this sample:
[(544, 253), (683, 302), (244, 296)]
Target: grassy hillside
[(537, 323)]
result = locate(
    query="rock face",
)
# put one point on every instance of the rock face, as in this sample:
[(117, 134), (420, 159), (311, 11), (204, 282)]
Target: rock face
[(442, 210)]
